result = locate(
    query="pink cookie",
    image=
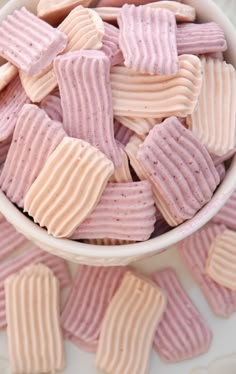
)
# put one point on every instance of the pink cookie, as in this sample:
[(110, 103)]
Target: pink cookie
[(35, 137), (52, 106), (126, 211), (10, 239), (221, 171), (7, 73), (11, 101), (120, 3), (32, 255), (194, 38), (227, 215), (180, 170), (110, 44), (122, 133), (93, 289), (4, 148), (182, 333), (219, 159), (87, 102), (24, 38), (194, 251), (140, 126), (148, 40)]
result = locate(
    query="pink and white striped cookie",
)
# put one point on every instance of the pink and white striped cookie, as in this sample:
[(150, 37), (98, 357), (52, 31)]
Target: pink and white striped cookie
[(147, 39), (180, 169), (7, 73), (126, 211), (10, 239), (227, 215), (182, 333), (52, 106), (83, 79), (194, 38), (35, 137), (84, 310), (194, 251), (129, 326), (24, 38), (11, 101), (32, 255), (110, 44)]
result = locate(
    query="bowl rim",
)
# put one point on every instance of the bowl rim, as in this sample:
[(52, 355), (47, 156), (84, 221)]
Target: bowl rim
[(151, 246)]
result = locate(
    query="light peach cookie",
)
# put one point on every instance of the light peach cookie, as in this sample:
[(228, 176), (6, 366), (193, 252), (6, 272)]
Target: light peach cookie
[(35, 137), (129, 326), (7, 73), (10, 239), (4, 148), (122, 172), (122, 133), (131, 149), (182, 333), (182, 12), (32, 255), (227, 214), (68, 187), (54, 11), (141, 126), (126, 211), (11, 101), (24, 38), (110, 44), (86, 305), (221, 261), (154, 96), (52, 106), (84, 30), (83, 79), (34, 335), (148, 40), (213, 121)]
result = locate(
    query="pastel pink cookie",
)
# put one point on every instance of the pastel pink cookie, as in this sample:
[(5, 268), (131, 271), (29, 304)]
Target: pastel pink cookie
[(194, 251), (120, 3), (24, 38), (219, 159), (10, 239), (227, 215), (126, 211), (122, 133), (34, 139), (7, 73), (194, 38), (4, 148), (180, 170), (182, 333), (221, 171), (83, 79), (110, 44), (32, 255), (84, 310), (52, 106), (148, 40), (11, 101)]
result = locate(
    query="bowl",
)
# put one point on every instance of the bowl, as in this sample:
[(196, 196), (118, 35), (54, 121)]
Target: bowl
[(125, 254)]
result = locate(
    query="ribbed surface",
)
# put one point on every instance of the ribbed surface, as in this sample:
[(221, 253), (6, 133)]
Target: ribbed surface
[(54, 11), (128, 327), (120, 3), (84, 310), (131, 149), (52, 106), (153, 96), (35, 137), (107, 241), (122, 172), (221, 171), (182, 333), (200, 38), (24, 38), (84, 30), (227, 215), (194, 250), (7, 73), (10, 239), (32, 255), (126, 211), (4, 148), (83, 79), (221, 263), (140, 126), (182, 12), (11, 101), (213, 121), (110, 44), (180, 170), (69, 187), (34, 336), (147, 39), (122, 133), (219, 159)]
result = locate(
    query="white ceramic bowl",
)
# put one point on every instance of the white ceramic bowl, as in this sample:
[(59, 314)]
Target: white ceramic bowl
[(125, 254)]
